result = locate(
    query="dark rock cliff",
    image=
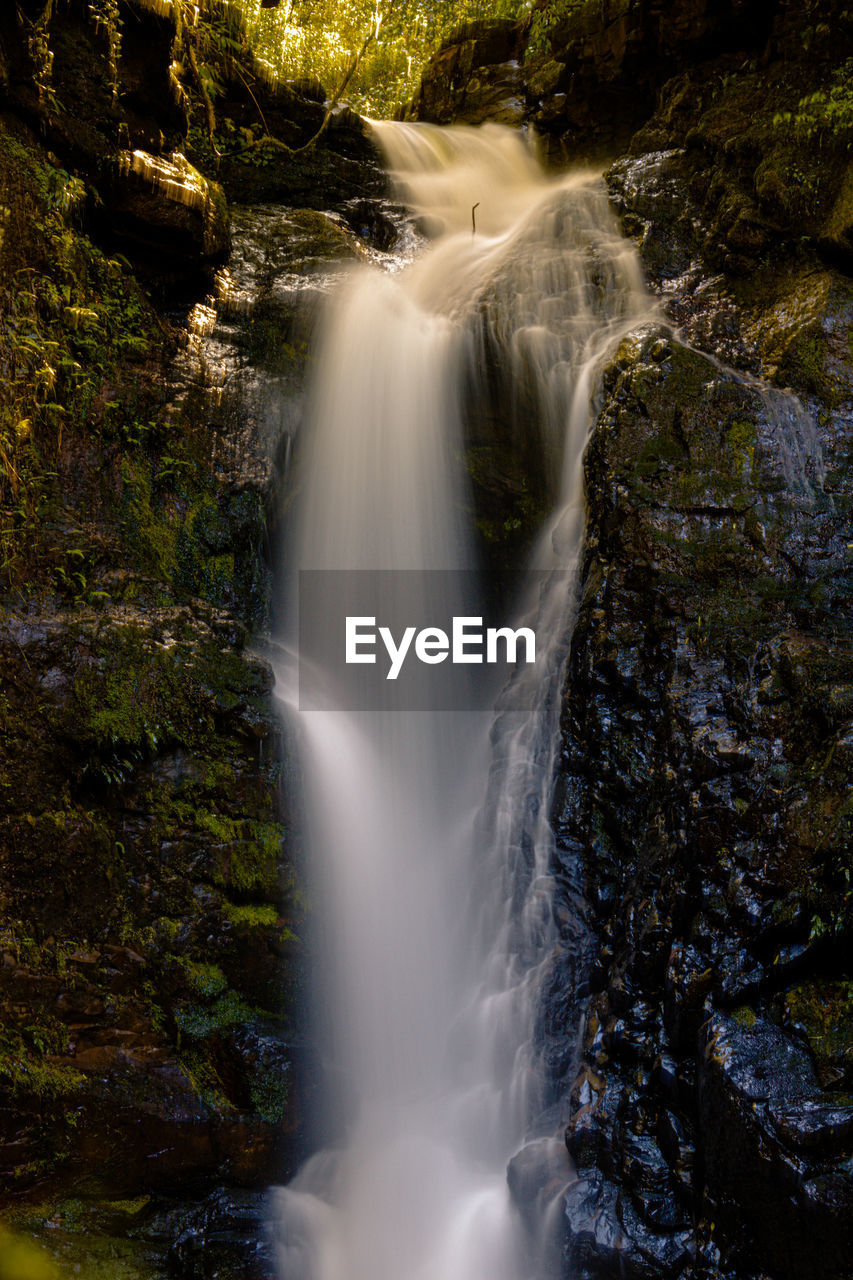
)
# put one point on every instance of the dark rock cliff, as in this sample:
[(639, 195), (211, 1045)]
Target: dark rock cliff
[(150, 907), (707, 771), (707, 713), (706, 722)]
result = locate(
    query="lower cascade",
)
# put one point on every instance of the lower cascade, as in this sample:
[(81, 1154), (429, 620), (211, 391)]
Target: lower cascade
[(429, 829)]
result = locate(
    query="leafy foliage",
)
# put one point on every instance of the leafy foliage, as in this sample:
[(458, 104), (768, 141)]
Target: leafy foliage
[(546, 21), (70, 320), (317, 39), (827, 114)]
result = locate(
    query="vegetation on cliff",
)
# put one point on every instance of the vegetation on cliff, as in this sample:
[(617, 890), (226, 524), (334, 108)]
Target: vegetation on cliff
[(296, 39), (147, 911)]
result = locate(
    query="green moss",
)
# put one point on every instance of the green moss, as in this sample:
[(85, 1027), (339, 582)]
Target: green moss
[(254, 917), (253, 854), (70, 328), (222, 829), (154, 531), (204, 1078), (270, 1093), (824, 1012), (199, 1022), (806, 362), (826, 114), (741, 435), (31, 1076), (745, 1017), (142, 692), (206, 980)]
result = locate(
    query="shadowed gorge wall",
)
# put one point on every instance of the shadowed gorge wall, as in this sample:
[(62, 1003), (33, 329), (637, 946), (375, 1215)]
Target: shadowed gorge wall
[(151, 913)]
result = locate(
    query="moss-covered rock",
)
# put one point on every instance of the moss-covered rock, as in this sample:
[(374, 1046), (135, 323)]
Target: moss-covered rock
[(148, 910), (144, 892), (820, 1012), (163, 206)]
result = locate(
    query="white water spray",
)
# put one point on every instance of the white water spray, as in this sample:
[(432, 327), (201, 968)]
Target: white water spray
[(430, 830)]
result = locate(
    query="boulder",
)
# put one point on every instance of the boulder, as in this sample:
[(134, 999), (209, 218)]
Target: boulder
[(768, 1136), (475, 76), (164, 208)]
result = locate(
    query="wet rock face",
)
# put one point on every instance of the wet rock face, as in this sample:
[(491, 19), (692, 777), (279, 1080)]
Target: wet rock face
[(477, 76), (147, 936), (227, 1238), (774, 1141), (586, 76), (703, 782), (150, 933), (708, 713)]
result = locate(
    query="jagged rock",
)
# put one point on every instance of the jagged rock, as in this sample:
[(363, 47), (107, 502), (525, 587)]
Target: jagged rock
[(763, 1120), (227, 1238), (606, 1238), (474, 77), (595, 1237), (165, 208)]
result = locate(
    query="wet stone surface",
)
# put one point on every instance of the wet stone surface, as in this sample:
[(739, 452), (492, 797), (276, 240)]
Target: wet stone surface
[(703, 715), (227, 1238)]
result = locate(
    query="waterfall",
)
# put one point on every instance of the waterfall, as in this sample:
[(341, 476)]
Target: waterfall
[(429, 830)]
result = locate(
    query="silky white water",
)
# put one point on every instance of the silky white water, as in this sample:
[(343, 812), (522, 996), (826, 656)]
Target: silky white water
[(429, 831)]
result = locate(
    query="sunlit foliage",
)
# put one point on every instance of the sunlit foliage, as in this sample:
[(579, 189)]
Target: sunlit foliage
[(318, 39)]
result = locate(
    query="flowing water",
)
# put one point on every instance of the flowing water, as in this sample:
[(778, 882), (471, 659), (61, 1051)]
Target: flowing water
[(430, 830)]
